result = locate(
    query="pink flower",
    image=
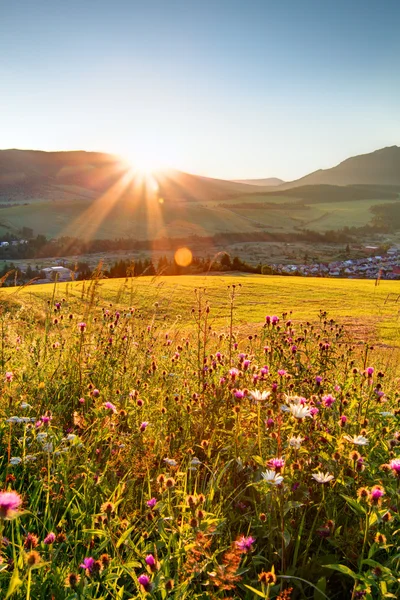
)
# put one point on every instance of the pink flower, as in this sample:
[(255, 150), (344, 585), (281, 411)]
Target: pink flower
[(276, 463), (143, 426), (370, 371), (110, 406), (328, 401), (9, 376), (9, 503), (318, 380), (95, 393), (314, 411), (144, 580), (376, 493), (234, 373), (82, 326), (239, 394), (50, 538), (264, 370), (274, 320), (268, 319), (282, 372), (152, 502), (395, 466), (244, 544), (88, 563), (150, 560)]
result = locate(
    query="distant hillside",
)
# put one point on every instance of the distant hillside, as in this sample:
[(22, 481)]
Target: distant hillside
[(379, 167), (269, 181)]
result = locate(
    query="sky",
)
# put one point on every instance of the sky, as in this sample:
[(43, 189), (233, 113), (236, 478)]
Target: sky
[(224, 88)]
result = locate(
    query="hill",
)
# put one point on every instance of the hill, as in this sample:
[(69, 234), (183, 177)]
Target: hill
[(269, 182), (381, 167)]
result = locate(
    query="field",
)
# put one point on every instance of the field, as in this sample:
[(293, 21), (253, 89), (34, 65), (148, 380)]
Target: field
[(201, 438)]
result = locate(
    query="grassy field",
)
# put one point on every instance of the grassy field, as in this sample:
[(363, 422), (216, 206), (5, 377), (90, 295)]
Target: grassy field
[(160, 438), (359, 303)]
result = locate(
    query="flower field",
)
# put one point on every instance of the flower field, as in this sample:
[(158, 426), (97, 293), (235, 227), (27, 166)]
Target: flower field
[(150, 456)]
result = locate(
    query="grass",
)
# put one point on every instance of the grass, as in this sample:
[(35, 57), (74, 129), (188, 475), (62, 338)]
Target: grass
[(192, 438), (359, 303)]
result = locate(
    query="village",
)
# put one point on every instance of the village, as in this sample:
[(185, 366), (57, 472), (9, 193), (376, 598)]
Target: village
[(386, 266)]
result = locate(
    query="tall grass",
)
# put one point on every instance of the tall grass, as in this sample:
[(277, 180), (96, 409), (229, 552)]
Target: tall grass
[(169, 461)]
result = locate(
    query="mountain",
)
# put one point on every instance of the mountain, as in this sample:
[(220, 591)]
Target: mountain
[(381, 167), (268, 182)]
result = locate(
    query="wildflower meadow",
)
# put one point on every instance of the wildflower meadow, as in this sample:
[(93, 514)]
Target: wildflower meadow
[(145, 457)]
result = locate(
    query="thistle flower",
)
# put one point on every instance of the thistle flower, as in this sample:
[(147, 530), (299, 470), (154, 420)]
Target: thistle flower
[(82, 326), (395, 466), (110, 406), (244, 544), (328, 401), (376, 494), (272, 477), (152, 502), (31, 541), (50, 538), (9, 503), (143, 426), (9, 376), (358, 440), (32, 558), (150, 560), (88, 564), (322, 477), (144, 580), (276, 463)]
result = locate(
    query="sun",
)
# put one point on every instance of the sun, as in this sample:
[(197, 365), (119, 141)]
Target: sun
[(147, 160)]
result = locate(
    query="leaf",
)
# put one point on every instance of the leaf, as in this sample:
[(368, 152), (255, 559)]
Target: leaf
[(286, 538), (256, 592), (124, 536), (342, 569), (291, 505), (258, 460), (319, 592), (354, 505), (15, 583)]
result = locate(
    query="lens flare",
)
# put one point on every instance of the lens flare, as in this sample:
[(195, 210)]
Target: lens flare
[(183, 257)]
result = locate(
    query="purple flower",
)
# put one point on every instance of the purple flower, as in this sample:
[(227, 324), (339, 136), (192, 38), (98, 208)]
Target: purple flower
[(244, 544), (143, 426), (276, 463), (239, 394), (144, 580), (370, 371), (152, 502), (150, 560), (46, 419), (234, 373), (343, 419), (282, 372), (264, 370), (9, 376), (318, 380), (395, 466), (274, 320), (328, 401), (82, 326), (9, 503), (110, 406), (314, 411), (88, 563), (268, 319), (95, 393), (50, 538), (246, 364)]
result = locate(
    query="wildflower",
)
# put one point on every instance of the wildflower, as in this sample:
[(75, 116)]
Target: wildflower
[(358, 440), (362, 493), (239, 394), (152, 502), (31, 541), (395, 466), (110, 406), (170, 482), (72, 580), (144, 580), (343, 420), (299, 412), (82, 326), (328, 401), (376, 494), (105, 560), (314, 411), (9, 376), (150, 560), (32, 558), (143, 426), (108, 508), (322, 477), (276, 463), (295, 442), (380, 538), (170, 462), (259, 396), (282, 372), (15, 460), (318, 380), (370, 371), (9, 503), (272, 477), (50, 538), (244, 544), (88, 564), (267, 578)]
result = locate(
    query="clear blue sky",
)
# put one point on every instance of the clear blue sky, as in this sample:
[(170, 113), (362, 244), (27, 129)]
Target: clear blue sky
[(224, 88)]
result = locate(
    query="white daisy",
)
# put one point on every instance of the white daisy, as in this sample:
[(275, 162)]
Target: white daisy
[(170, 462), (358, 440), (295, 442), (299, 411), (322, 477), (271, 477), (15, 460), (259, 396)]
